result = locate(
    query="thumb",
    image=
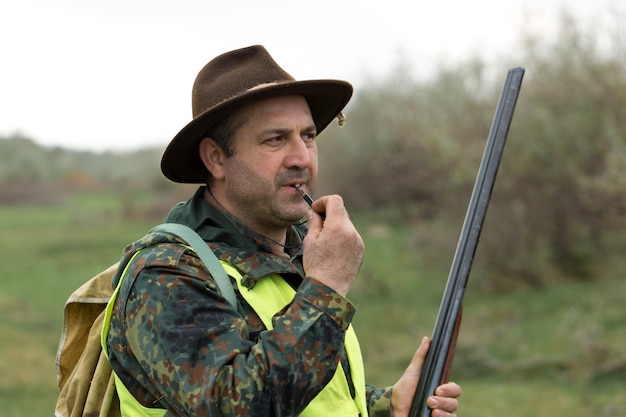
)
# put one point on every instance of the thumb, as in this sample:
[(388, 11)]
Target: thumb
[(417, 363), (315, 220), (404, 390)]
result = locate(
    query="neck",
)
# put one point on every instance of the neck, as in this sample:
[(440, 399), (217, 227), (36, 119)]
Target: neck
[(271, 241)]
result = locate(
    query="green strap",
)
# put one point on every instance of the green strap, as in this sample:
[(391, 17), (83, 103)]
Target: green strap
[(206, 255)]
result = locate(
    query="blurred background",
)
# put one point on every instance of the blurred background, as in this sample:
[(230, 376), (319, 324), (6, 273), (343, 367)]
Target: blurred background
[(90, 95)]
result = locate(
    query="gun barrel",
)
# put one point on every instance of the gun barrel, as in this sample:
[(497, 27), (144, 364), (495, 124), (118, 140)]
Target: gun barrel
[(448, 319)]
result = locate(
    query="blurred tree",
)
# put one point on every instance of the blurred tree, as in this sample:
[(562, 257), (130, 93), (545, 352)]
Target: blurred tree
[(406, 142), (562, 198), (22, 159), (559, 202)]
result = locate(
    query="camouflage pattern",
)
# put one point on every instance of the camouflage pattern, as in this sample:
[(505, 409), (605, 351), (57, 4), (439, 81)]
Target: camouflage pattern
[(176, 343)]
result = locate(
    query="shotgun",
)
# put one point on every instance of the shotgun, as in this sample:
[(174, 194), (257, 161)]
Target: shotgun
[(438, 360)]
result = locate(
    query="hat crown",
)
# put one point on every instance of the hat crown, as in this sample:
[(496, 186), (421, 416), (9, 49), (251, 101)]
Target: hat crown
[(233, 73)]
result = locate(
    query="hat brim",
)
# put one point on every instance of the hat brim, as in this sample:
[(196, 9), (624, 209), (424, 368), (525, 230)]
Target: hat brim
[(181, 160)]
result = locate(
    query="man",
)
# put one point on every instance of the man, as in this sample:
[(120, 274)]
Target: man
[(287, 349)]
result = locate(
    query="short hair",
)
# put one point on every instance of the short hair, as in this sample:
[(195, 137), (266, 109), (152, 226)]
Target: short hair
[(223, 132)]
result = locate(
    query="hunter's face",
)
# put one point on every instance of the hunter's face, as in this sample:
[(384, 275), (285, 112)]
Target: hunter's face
[(274, 150)]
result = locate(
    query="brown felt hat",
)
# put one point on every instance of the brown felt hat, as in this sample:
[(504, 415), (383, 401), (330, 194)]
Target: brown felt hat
[(232, 80)]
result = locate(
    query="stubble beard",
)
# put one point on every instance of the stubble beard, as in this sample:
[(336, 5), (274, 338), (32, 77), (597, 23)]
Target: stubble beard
[(265, 206)]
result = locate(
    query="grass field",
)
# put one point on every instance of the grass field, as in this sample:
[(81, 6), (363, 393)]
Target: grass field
[(556, 351)]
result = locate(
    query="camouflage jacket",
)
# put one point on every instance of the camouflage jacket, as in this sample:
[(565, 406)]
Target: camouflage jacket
[(176, 343)]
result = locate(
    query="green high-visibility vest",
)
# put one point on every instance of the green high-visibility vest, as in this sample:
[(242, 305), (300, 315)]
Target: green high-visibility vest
[(270, 295)]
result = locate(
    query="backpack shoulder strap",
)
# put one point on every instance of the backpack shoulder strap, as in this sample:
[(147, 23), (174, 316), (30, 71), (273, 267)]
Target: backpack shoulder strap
[(206, 255)]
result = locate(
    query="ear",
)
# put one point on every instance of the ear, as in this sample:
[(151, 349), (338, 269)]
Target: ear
[(213, 157)]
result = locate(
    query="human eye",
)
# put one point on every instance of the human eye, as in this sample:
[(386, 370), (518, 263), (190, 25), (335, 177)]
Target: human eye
[(273, 140), (309, 136)]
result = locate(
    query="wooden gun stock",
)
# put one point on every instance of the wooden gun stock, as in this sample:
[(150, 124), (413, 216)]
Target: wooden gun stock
[(438, 362)]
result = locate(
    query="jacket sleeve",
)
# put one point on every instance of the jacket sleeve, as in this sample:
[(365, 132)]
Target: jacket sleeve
[(175, 338), (378, 401)]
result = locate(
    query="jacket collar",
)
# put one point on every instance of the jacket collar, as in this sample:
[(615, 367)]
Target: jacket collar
[(235, 243)]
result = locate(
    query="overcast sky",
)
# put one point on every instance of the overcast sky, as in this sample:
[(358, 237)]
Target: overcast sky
[(117, 74)]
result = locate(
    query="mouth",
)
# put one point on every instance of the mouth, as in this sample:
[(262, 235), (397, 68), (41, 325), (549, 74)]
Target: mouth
[(298, 186)]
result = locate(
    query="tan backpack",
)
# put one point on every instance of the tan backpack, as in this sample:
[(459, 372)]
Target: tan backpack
[(84, 376)]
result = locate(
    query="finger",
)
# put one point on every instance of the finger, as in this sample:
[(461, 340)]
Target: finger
[(331, 207), (320, 205), (440, 413), (449, 389), (315, 222), (449, 405), (419, 357)]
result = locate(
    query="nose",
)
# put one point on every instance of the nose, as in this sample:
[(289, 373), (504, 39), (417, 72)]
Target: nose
[(300, 154)]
